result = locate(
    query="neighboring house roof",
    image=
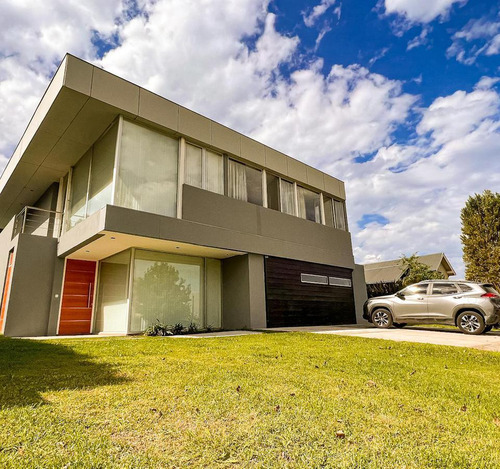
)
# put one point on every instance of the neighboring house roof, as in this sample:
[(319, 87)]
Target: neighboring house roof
[(392, 271)]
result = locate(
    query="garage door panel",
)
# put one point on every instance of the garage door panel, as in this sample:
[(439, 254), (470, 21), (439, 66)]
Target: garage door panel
[(291, 302)]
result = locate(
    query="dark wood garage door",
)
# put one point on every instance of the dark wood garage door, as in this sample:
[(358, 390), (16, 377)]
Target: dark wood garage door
[(292, 302)]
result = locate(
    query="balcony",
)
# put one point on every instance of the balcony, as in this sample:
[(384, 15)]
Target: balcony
[(38, 222)]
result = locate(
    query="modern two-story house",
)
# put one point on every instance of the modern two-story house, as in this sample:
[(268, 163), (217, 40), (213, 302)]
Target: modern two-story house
[(120, 208)]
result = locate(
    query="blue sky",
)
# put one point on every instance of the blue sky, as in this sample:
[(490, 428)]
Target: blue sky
[(398, 98)]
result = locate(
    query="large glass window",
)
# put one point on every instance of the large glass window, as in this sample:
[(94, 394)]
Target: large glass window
[(309, 204), (287, 197), (166, 288), (147, 173), (79, 186), (101, 172), (244, 183), (92, 179), (204, 169), (273, 191)]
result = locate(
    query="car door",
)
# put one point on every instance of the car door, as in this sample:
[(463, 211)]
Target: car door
[(411, 303), (443, 298)]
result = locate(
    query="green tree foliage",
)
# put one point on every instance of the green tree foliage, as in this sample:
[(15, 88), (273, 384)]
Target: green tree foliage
[(417, 271), (481, 237)]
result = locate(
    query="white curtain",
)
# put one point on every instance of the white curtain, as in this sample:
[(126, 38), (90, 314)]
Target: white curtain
[(214, 169), (339, 215), (147, 176), (287, 198), (192, 174), (237, 181)]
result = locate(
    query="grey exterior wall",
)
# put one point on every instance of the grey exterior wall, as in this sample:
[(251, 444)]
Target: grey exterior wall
[(31, 287), (48, 201), (243, 292), (360, 295), (222, 222)]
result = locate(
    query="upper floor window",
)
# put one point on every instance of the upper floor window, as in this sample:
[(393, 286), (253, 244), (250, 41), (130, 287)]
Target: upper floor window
[(335, 213), (287, 197), (244, 183), (92, 179), (309, 204), (204, 169), (147, 171)]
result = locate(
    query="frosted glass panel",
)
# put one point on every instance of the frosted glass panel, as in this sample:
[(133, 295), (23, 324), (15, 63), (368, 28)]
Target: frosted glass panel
[(147, 175), (287, 198), (167, 288), (193, 166), (214, 165), (79, 186), (112, 296), (101, 173), (309, 204), (214, 293)]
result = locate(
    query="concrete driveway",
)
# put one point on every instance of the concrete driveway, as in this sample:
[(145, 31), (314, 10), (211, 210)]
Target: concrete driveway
[(423, 335)]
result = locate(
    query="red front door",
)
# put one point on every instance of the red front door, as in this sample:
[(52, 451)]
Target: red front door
[(77, 297), (6, 289)]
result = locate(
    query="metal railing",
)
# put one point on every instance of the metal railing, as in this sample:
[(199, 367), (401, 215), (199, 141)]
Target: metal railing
[(38, 222)]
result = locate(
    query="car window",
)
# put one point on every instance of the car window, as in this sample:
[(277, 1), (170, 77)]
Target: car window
[(464, 287), (490, 289), (444, 288), (415, 290)]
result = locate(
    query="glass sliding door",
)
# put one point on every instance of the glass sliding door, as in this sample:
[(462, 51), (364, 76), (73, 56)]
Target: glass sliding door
[(204, 169), (214, 172), (193, 172), (147, 172), (112, 297), (273, 192), (167, 288)]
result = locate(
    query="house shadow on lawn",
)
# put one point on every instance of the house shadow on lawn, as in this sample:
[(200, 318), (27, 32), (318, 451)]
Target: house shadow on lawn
[(28, 368)]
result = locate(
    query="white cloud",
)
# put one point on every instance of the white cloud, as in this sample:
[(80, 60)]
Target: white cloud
[(34, 36), (478, 37), (319, 10), (419, 40), (421, 11)]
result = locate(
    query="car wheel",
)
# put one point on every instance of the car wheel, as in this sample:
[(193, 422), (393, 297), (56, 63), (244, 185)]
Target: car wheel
[(470, 322), (488, 328), (382, 318), (399, 325)]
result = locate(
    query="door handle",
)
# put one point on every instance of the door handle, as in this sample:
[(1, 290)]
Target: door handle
[(457, 297), (419, 298), (89, 297)]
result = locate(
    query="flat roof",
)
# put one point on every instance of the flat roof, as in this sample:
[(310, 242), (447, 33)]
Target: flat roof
[(80, 103)]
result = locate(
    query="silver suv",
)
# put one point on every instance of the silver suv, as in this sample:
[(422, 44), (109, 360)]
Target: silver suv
[(473, 307)]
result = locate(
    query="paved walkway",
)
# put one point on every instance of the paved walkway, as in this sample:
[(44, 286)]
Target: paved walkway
[(423, 335)]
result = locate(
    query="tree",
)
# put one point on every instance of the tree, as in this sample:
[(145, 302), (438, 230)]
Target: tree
[(416, 271), (481, 237)]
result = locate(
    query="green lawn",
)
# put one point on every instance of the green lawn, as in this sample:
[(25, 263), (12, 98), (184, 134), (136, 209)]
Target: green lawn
[(269, 400)]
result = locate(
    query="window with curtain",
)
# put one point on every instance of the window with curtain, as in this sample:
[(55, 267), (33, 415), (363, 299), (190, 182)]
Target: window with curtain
[(339, 215), (147, 173), (273, 191), (166, 288), (101, 171), (335, 213), (287, 197), (244, 183), (204, 169), (79, 185), (309, 204)]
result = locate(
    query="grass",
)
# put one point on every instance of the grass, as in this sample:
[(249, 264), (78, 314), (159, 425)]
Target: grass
[(269, 400)]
